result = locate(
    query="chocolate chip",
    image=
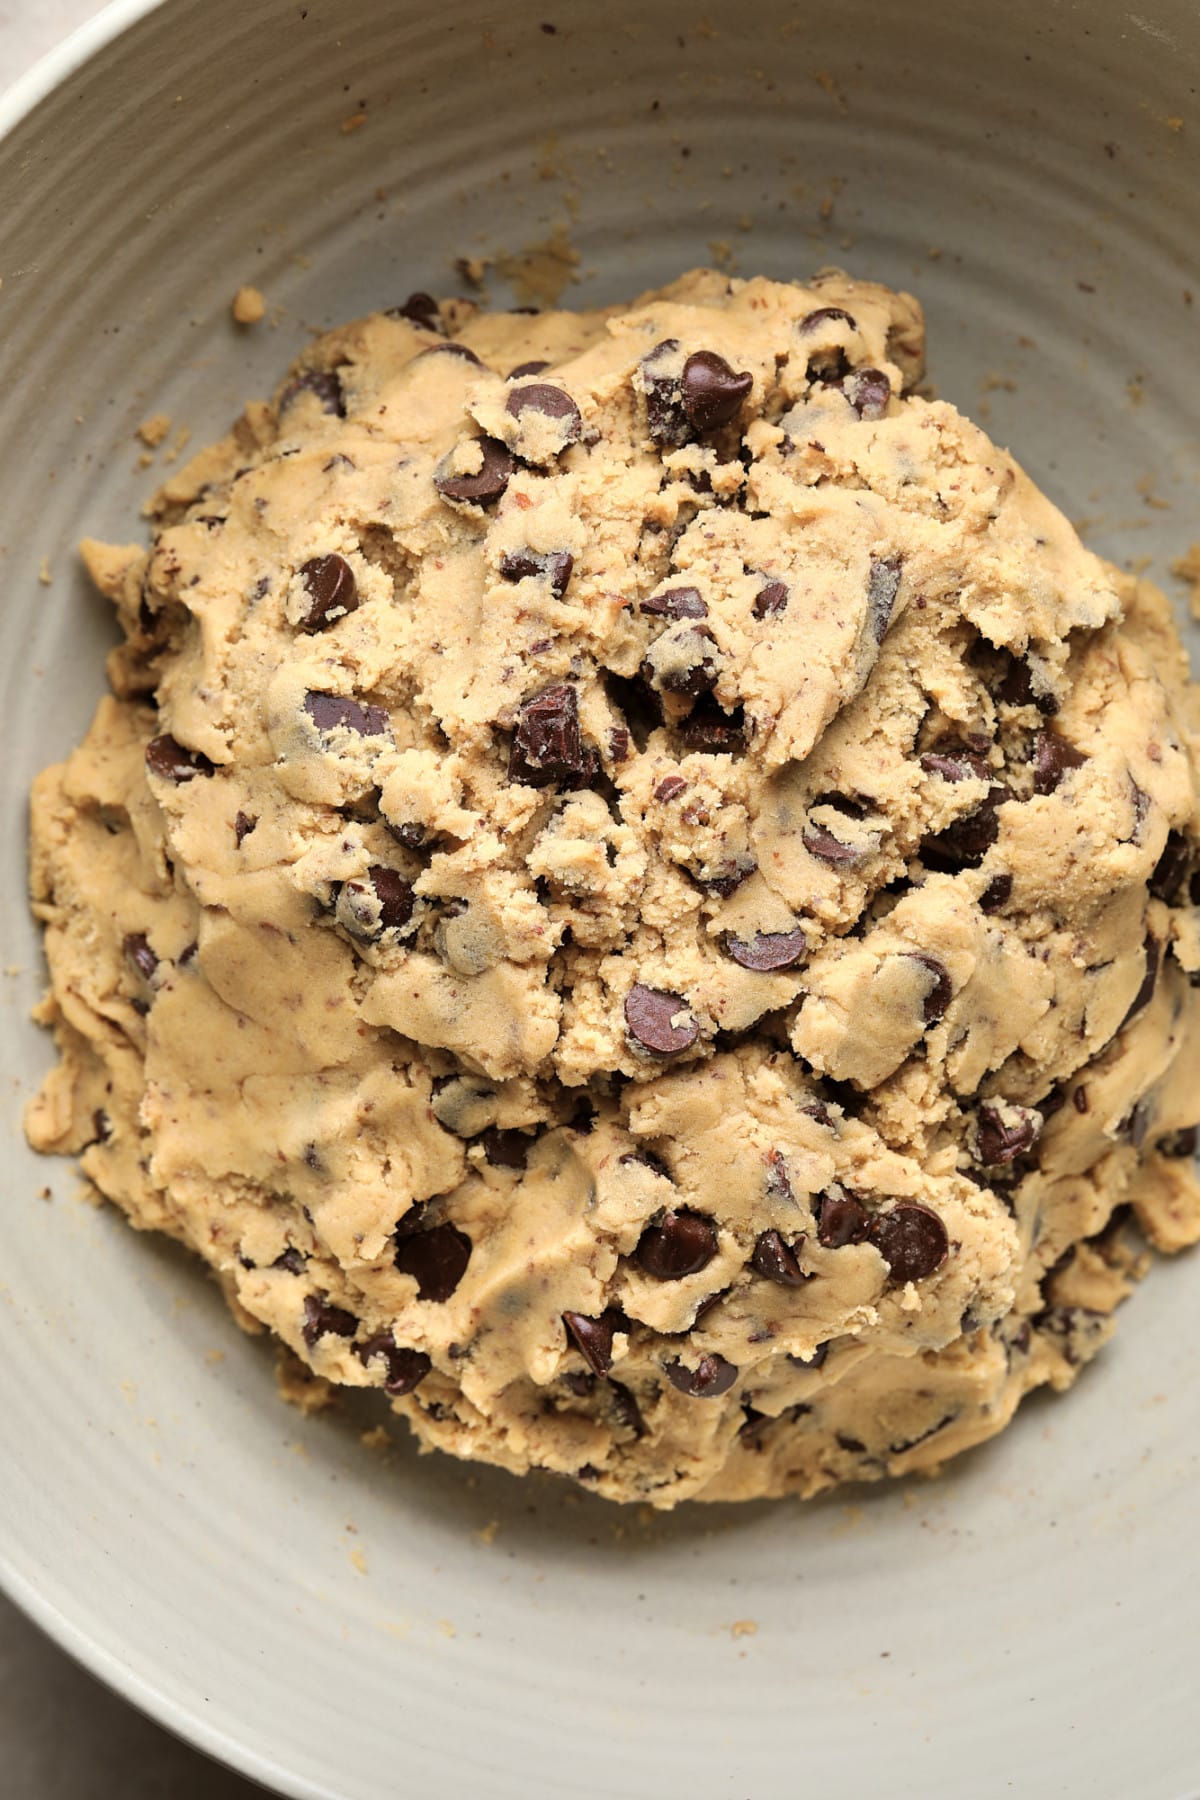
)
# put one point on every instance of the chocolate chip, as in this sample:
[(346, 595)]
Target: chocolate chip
[(101, 1125), (767, 951), (776, 1259), (853, 1445), (868, 391), (324, 383), (997, 894), (826, 848), (1171, 867), (516, 565), (1079, 1099), (911, 1240), (883, 584), (291, 1260), (770, 600), (1145, 993), (625, 1408), (243, 825), (682, 1244), (954, 762), (696, 671), (168, 759), (659, 1023), (1179, 1143), (547, 746), (816, 1361), (489, 480), (841, 1219), (711, 1377), (381, 900), (826, 315), (320, 1318), (1002, 1140), (409, 833), (506, 1149), (666, 420), (594, 1338), (711, 730), (406, 1368), (712, 391), (1052, 757), (829, 367), (552, 403), (940, 994), (333, 712), (419, 309), (140, 956), (332, 591), (966, 840), (676, 603), (524, 370), (436, 1257), (728, 878), (463, 352)]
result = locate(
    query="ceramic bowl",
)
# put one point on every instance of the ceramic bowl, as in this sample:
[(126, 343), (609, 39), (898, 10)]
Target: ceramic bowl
[(350, 1622)]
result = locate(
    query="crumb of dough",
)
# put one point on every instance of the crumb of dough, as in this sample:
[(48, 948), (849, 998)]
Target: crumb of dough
[(153, 430), (300, 1386), (248, 306), (1186, 568), (487, 1533), (44, 575), (633, 895), (352, 122), (541, 273), (744, 1628)]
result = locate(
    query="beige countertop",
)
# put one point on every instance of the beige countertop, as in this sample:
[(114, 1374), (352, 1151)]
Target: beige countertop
[(62, 1735)]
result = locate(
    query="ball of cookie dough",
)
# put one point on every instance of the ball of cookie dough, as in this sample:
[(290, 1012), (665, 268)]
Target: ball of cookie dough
[(636, 889)]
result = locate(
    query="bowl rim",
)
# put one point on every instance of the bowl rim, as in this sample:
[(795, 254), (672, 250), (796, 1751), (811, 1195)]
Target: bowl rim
[(17, 103)]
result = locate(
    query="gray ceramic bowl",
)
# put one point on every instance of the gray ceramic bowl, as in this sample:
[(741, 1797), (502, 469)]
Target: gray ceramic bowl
[(343, 1623)]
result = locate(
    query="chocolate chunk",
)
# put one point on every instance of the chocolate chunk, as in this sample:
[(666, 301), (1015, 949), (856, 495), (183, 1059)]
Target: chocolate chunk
[(779, 1186), (670, 788), (406, 1368), (547, 746), (666, 420), (1145, 993), (713, 731), (883, 584), (436, 1256), (815, 1361), (516, 565), (767, 951), (243, 825), (659, 1023), (954, 762), (332, 591), (639, 705), (1052, 757), (552, 403), (140, 956), (419, 309), (868, 391), (911, 1240), (676, 603), (1171, 868), (333, 712), (997, 894), (728, 878), (381, 900), (168, 759), (1179, 1143), (999, 1140), (292, 1260), (711, 1377), (524, 370), (934, 1005), (682, 1244), (825, 315), (841, 1219), (489, 480), (506, 1149), (594, 1338), (324, 383), (777, 1260), (1079, 1099), (696, 673), (853, 1445), (409, 833), (320, 1317), (826, 848), (712, 391), (770, 600)]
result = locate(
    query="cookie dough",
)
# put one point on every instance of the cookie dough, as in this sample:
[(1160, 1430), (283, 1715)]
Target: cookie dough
[(636, 890)]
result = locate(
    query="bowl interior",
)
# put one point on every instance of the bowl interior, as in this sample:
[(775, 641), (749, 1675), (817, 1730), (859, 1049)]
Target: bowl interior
[(346, 1621)]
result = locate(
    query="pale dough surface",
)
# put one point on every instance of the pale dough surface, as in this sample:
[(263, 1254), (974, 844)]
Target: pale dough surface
[(729, 886)]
